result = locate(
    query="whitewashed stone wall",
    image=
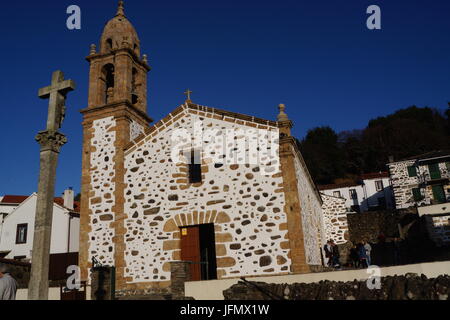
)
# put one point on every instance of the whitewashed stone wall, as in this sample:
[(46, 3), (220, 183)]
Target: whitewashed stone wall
[(246, 207), (403, 184), (311, 211), (335, 218), (103, 186)]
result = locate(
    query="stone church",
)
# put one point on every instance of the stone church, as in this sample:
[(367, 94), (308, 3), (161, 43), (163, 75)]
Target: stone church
[(144, 205)]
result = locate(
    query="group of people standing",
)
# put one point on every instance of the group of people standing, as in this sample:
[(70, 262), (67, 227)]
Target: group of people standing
[(360, 255), (332, 254)]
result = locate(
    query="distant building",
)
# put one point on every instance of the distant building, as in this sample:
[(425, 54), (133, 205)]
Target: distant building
[(421, 180), (371, 191), (335, 218), (17, 226)]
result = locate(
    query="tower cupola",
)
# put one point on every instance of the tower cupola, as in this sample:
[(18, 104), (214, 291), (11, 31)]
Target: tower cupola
[(119, 33)]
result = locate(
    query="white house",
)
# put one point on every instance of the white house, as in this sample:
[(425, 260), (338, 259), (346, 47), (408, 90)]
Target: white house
[(16, 239), (370, 192), (7, 205), (421, 180), (424, 182)]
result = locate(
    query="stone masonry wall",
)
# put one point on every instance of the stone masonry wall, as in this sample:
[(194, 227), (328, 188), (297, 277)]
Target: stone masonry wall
[(102, 201), (311, 211), (408, 287), (403, 184), (335, 219), (245, 202)]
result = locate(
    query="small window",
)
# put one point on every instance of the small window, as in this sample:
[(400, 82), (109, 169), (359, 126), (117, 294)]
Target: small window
[(435, 172), (417, 194), (195, 166), (353, 194), (19, 257), (337, 194), (21, 235), (412, 171), (379, 185), (109, 44)]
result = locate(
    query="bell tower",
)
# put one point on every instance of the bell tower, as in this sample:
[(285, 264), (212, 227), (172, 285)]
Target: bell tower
[(117, 71), (116, 114)]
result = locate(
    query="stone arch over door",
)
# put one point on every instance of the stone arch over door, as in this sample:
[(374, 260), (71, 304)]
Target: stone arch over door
[(194, 218)]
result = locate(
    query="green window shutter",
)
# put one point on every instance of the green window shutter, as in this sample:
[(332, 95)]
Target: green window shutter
[(448, 165), (438, 194), (412, 171), (435, 173), (417, 194)]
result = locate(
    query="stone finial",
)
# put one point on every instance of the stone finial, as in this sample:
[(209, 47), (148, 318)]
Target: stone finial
[(120, 9), (145, 58), (282, 116), (93, 49)]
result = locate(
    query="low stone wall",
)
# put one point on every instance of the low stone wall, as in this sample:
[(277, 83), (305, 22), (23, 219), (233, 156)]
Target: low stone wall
[(369, 225), (407, 287)]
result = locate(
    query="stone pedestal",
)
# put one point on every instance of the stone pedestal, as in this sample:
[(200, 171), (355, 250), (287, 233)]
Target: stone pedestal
[(51, 143), (103, 283), (180, 273)]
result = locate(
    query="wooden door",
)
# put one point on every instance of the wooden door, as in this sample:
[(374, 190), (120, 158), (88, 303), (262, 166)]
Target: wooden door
[(190, 250)]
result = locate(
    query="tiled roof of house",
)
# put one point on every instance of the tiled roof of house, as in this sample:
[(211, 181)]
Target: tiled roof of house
[(337, 185), (374, 175), (428, 155), (76, 204), (11, 199), (357, 182), (14, 199)]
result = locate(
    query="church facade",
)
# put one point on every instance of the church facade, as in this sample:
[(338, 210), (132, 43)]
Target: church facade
[(228, 192)]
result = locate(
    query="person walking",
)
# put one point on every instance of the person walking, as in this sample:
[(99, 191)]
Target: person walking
[(362, 255), (354, 257), (328, 248), (335, 255), (368, 249), (8, 286)]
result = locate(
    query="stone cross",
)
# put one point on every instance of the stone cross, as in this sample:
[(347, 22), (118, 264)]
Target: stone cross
[(51, 142), (188, 94), (56, 93)]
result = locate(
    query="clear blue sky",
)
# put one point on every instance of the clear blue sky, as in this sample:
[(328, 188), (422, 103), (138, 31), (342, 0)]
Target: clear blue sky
[(247, 56)]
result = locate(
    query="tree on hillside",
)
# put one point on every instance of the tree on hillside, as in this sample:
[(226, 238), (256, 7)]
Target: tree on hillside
[(322, 154), (405, 133)]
